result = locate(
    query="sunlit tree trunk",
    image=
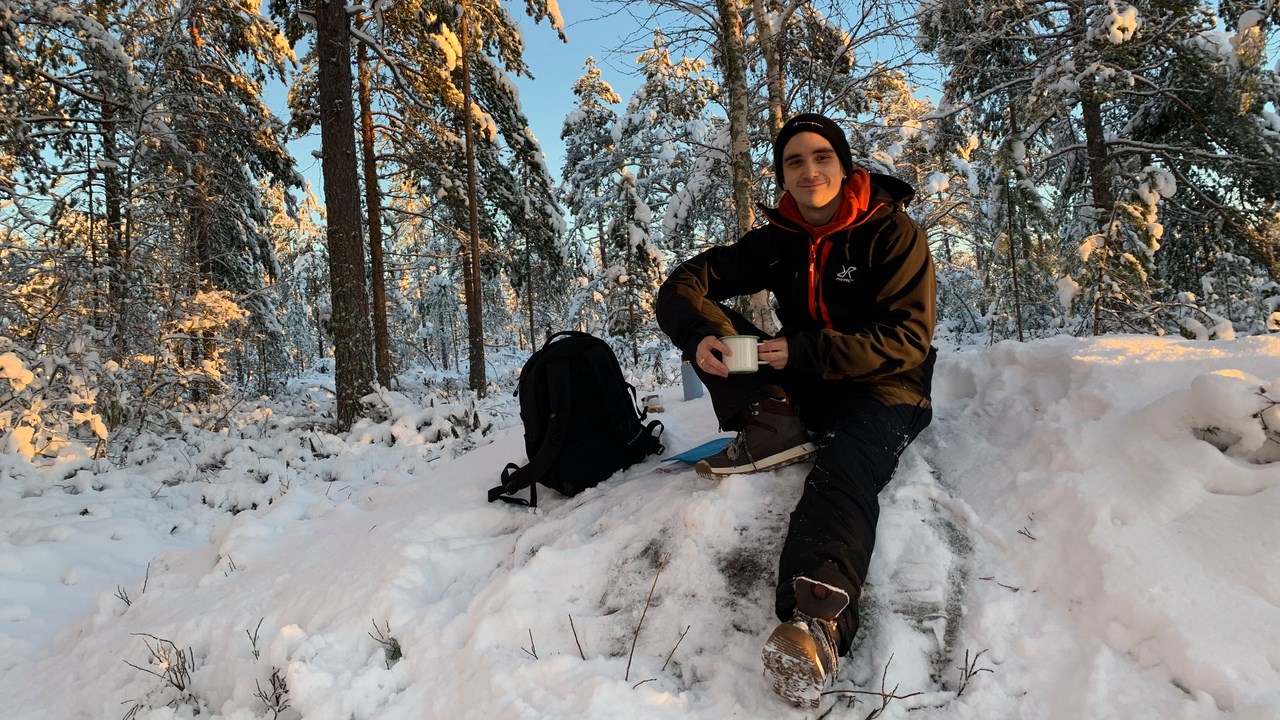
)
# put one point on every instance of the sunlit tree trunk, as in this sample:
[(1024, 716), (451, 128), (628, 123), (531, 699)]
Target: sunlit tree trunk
[(1095, 144), (771, 51), (733, 65), (373, 213), (471, 248), (113, 201), (732, 58), (353, 356), (201, 345), (1015, 234)]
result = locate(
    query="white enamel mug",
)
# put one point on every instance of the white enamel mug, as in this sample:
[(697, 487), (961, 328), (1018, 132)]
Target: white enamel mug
[(746, 353)]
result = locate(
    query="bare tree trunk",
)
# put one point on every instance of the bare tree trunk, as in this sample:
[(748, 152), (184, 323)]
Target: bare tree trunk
[(373, 213), (1095, 143), (116, 271), (352, 354), (603, 241), (1015, 237), (733, 64), (528, 291), (771, 51), (113, 189), (96, 313), (1096, 152), (471, 248), (202, 346)]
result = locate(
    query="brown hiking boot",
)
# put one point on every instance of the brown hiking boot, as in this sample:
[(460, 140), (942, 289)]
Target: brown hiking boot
[(801, 659), (802, 656), (772, 437)]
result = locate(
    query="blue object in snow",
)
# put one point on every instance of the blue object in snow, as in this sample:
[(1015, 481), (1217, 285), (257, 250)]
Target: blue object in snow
[(706, 449)]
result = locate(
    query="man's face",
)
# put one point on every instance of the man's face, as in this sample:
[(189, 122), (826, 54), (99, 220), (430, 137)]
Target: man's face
[(812, 173)]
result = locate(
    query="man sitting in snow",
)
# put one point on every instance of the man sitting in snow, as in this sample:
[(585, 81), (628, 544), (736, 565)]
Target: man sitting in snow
[(853, 362)]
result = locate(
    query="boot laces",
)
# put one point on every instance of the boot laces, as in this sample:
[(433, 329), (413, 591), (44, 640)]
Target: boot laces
[(823, 634), (738, 448)]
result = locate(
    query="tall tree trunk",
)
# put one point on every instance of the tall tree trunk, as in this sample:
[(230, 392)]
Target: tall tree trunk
[(629, 255), (96, 314), (202, 346), (116, 254), (353, 351), (113, 188), (1096, 145), (471, 249), (1096, 154), (1015, 237), (771, 51), (603, 240), (203, 349), (373, 212), (733, 64), (533, 338)]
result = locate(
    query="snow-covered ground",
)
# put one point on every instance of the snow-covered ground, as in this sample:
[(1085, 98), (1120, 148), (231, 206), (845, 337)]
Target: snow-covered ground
[(1091, 523)]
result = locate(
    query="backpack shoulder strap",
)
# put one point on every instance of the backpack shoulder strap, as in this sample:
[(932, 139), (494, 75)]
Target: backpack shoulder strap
[(516, 478), (627, 414), (620, 421)]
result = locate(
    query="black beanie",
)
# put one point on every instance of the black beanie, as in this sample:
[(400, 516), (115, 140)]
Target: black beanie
[(814, 123)]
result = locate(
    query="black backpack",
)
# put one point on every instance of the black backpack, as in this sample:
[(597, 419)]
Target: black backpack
[(581, 424)]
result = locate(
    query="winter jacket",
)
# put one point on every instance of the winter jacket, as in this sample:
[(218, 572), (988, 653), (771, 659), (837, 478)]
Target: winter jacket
[(855, 298)]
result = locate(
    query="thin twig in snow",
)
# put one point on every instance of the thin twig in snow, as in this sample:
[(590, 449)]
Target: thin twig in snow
[(532, 650), (575, 639), (673, 650), (636, 636), (969, 670)]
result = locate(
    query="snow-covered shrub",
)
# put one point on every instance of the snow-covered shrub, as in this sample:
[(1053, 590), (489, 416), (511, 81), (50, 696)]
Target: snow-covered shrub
[(1241, 292), (173, 665), (1239, 415), (64, 397)]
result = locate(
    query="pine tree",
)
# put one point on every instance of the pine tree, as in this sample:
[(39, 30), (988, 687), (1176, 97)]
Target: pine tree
[(663, 140), (73, 91), (373, 221), (353, 352), (208, 71), (417, 91), (591, 162), (1138, 122)]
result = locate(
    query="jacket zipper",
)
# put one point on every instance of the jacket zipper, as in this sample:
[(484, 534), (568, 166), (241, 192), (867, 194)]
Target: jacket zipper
[(813, 285), (817, 308)]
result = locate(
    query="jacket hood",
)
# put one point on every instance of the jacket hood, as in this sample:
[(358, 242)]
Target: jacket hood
[(891, 189), (886, 190)]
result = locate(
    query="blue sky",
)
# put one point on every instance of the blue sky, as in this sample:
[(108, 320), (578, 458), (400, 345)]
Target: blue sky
[(592, 30)]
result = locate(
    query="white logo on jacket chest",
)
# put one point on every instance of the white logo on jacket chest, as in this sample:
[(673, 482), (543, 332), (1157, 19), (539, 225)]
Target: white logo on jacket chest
[(846, 274)]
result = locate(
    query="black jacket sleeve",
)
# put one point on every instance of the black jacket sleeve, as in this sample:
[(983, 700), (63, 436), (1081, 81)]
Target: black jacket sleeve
[(686, 301)]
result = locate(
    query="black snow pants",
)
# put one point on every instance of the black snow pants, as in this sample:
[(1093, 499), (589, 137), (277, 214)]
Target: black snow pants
[(833, 527)]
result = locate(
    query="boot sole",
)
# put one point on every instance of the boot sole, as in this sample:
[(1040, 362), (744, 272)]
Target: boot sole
[(791, 666), (790, 456)]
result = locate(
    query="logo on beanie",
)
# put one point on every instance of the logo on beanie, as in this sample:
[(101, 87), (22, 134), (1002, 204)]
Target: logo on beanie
[(821, 128)]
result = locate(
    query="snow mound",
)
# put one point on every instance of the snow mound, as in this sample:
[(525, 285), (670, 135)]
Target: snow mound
[(1087, 530)]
